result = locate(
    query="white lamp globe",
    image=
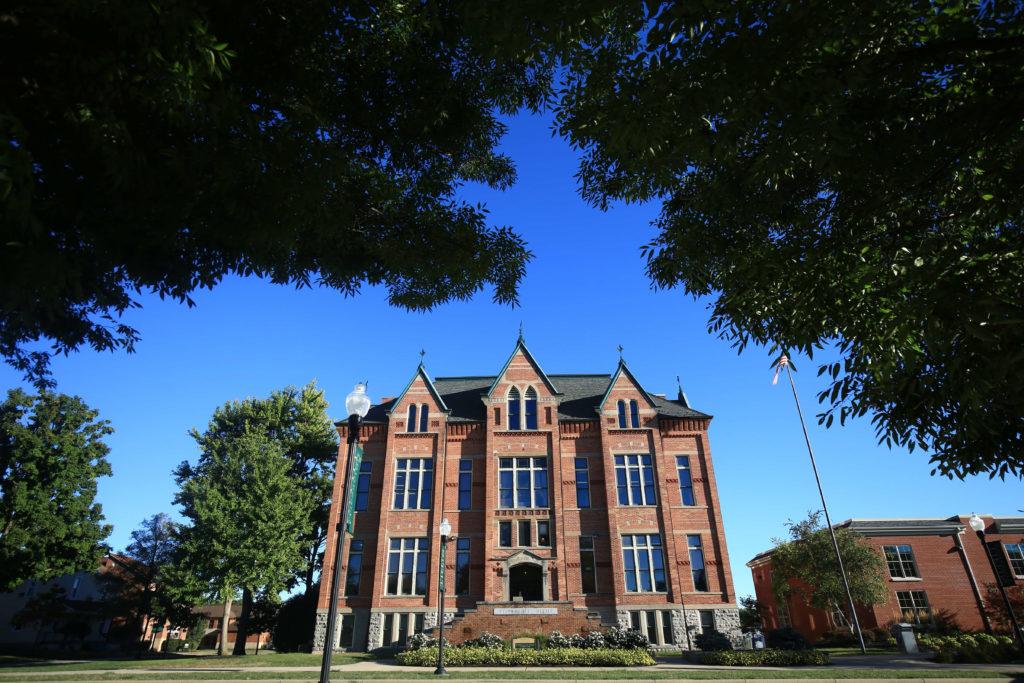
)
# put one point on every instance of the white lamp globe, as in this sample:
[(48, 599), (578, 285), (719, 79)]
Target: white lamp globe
[(446, 527), (357, 402), (977, 523)]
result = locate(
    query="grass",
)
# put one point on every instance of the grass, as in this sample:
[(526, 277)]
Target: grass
[(564, 674), (847, 650), (12, 663)]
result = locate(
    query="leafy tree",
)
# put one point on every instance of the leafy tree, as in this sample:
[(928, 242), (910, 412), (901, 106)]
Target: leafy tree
[(293, 630), (153, 547), (263, 616), (805, 567), (51, 454), (160, 146), (247, 519), (834, 173), (751, 614), (295, 419)]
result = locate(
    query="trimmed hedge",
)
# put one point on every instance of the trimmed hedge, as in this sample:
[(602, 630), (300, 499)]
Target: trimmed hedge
[(971, 648), (567, 656), (766, 658)]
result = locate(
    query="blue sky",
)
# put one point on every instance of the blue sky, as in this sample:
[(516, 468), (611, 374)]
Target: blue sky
[(585, 293)]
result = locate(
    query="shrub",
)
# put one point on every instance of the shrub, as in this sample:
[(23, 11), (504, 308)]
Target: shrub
[(786, 638), (174, 645), (421, 640), (766, 658), (625, 639), (971, 648), (556, 639), (840, 637), (486, 640), (489, 656), (712, 641)]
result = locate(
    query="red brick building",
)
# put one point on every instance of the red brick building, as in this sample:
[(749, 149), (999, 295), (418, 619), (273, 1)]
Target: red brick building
[(578, 502), (936, 569)]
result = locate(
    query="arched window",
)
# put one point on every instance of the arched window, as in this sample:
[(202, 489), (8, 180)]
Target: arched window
[(622, 414), (634, 415), (411, 426), (424, 412), (513, 409), (531, 408)]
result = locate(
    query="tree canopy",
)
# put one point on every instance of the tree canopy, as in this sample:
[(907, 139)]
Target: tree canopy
[(296, 420), (160, 146), (52, 452), (833, 174), (805, 566)]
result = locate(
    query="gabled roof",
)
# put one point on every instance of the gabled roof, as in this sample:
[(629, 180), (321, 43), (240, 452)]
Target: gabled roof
[(420, 372), (521, 346), (618, 371)]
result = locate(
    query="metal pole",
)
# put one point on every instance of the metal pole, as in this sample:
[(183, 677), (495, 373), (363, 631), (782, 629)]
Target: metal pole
[(828, 519), (325, 664), (1017, 634), (440, 670)]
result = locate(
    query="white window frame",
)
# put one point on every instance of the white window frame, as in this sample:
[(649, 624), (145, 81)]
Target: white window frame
[(1015, 556), (516, 468), (915, 607), (901, 559), (638, 467), (644, 547), (402, 551), (404, 465)]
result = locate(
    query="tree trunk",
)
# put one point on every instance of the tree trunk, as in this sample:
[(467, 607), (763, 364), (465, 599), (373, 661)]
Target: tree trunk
[(222, 649), (259, 637), (242, 630)]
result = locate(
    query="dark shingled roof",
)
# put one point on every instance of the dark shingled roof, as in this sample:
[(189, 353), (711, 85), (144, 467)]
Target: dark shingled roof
[(581, 395)]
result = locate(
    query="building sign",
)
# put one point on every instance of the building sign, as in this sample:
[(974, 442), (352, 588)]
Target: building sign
[(524, 610)]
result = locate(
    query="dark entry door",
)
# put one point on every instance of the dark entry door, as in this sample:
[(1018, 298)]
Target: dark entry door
[(525, 581)]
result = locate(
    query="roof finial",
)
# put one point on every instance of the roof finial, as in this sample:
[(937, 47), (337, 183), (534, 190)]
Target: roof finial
[(620, 351), (681, 398), (520, 330), (423, 352)]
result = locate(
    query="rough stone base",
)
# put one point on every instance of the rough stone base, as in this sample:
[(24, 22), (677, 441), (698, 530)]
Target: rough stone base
[(320, 631)]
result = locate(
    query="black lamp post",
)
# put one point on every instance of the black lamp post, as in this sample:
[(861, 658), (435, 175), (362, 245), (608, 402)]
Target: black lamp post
[(357, 404), (446, 530), (978, 524)]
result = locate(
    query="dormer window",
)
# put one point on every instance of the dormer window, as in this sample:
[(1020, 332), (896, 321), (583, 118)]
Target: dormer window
[(424, 412), (530, 413), (514, 423), (411, 425)]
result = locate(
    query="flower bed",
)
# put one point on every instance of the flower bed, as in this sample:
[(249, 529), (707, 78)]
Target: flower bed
[(971, 648), (560, 656), (769, 657)]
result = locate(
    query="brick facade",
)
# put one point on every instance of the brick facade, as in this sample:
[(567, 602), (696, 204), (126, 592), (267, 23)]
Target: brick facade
[(576, 420), (945, 554)]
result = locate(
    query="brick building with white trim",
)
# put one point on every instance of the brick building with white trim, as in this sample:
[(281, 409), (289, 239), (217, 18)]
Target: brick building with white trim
[(578, 502)]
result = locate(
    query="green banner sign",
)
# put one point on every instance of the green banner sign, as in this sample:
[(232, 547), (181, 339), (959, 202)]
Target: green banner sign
[(353, 486), (440, 573)]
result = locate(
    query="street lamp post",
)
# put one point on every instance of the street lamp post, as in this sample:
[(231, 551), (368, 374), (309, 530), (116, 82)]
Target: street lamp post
[(978, 524), (446, 531), (357, 403)]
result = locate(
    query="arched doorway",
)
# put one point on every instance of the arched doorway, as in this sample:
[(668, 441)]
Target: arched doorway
[(526, 581)]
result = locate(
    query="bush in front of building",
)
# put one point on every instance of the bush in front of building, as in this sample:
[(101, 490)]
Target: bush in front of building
[(614, 638), (172, 645), (768, 657), (486, 640), (971, 648), (786, 638), (420, 640), (552, 656), (712, 641)]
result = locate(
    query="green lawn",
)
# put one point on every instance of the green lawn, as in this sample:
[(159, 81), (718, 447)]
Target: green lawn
[(570, 674), (844, 651), (11, 663)]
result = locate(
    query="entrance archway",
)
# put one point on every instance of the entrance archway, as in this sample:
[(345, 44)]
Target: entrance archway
[(526, 581)]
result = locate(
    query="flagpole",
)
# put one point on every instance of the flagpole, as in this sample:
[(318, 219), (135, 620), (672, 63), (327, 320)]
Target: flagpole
[(828, 520)]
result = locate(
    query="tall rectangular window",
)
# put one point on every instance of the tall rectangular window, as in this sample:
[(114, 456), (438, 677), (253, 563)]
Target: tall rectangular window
[(414, 482), (403, 629), (417, 624), (544, 534), (915, 607), (634, 478), (666, 628), (644, 563), (363, 486), (407, 566), (525, 537), (347, 622), (530, 409), (588, 564), (523, 482), (685, 480), (462, 566), (900, 560), (651, 619), (700, 575), (1015, 553), (505, 534), (465, 484), (707, 620), (355, 567), (389, 626), (582, 483)]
